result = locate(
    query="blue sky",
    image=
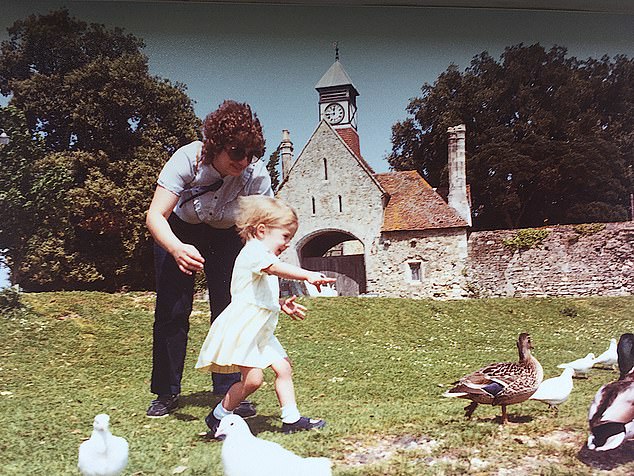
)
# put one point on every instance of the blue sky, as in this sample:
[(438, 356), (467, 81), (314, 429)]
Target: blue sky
[(272, 56)]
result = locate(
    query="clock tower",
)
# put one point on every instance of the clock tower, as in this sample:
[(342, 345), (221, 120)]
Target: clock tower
[(338, 103)]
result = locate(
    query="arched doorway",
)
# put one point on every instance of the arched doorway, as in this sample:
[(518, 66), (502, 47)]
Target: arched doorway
[(338, 254)]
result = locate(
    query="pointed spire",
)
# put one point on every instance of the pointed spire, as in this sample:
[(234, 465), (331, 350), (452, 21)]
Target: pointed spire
[(336, 76), (336, 45)]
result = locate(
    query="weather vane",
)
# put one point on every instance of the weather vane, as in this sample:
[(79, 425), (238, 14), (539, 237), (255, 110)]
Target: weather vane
[(336, 45)]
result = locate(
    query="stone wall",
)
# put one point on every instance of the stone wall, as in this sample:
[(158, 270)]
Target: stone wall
[(441, 255), (572, 260)]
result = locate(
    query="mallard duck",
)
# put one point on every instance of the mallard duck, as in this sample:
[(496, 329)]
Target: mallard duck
[(502, 383), (611, 414), (103, 454), (580, 366), (608, 358), (625, 353), (556, 390)]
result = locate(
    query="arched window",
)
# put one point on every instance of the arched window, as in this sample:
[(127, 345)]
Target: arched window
[(340, 204), (325, 169)]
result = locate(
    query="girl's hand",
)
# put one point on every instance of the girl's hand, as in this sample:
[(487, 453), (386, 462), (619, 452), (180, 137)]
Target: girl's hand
[(295, 310), (188, 258), (317, 279)]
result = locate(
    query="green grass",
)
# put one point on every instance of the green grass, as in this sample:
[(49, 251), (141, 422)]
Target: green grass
[(374, 368)]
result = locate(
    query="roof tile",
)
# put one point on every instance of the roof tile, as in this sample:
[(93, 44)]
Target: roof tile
[(414, 204)]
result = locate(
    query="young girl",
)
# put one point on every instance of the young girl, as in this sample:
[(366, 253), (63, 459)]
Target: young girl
[(242, 336)]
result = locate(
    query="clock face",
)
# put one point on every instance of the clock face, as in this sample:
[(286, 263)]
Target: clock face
[(334, 113)]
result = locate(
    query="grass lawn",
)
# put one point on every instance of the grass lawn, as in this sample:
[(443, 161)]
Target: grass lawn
[(374, 368)]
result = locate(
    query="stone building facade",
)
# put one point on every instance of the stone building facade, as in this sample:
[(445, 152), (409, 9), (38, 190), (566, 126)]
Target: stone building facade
[(410, 242)]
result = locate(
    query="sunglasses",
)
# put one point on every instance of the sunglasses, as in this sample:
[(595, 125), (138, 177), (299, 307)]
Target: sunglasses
[(238, 154)]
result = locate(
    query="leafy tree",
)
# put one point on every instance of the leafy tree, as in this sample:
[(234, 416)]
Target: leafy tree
[(96, 129), (549, 137), (272, 166)]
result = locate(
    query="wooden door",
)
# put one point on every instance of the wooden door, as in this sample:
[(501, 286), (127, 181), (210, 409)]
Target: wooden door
[(349, 271)]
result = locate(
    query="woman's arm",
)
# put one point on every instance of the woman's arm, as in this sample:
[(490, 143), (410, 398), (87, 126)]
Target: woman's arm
[(187, 257)]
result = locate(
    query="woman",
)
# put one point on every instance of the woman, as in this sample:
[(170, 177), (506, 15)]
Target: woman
[(192, 220)]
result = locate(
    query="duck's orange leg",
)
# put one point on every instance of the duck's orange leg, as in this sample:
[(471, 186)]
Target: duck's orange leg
[(505, 417)]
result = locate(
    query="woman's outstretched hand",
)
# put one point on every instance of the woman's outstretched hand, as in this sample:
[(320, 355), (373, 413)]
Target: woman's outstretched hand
[(295, 310)]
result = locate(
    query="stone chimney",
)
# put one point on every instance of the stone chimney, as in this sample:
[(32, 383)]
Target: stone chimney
[(286, 153), (457, 198)]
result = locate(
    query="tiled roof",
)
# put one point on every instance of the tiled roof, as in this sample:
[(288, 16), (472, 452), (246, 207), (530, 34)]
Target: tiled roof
[(351, 138), (414, 205), (335, 76)]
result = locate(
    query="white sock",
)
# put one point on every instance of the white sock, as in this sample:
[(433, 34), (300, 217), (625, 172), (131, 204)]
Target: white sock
[(220, 412), (290, 414)]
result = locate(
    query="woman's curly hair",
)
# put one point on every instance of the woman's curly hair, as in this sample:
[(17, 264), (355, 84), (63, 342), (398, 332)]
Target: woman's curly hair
[(234, 125)]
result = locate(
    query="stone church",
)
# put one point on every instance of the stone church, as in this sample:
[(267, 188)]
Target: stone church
[(387, 234)]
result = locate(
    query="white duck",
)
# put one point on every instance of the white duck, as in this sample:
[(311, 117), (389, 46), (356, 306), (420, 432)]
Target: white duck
[(608, 358), (245, 455), (611, 414), (580, 366), (103, 454), (556, 390)]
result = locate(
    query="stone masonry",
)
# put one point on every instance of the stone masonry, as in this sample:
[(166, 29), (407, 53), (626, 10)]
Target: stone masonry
[(345, 197), (573, 260), (441, 255)]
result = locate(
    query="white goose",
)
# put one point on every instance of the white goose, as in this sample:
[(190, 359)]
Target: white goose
[(608, 358), (611, 414), (245, 455), (580, 366), (103, 454), (556, 390)]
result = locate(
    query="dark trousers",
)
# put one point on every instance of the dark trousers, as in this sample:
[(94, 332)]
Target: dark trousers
[(174, 300)]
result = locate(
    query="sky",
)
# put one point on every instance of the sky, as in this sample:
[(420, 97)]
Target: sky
[(271, 56)]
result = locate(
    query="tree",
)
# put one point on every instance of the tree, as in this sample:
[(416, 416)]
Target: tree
[(101, 128), (272, 166), (549, 137)]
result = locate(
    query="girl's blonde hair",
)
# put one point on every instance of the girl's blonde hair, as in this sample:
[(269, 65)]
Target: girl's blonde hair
[(258, 209)]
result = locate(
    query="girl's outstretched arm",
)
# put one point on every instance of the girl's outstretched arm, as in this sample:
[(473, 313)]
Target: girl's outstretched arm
[(290, 271)]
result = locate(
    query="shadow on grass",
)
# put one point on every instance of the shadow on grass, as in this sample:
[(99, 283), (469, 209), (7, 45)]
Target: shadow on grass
[(258, 424), (184, 416), (513, 419), (199, 399), (607, 460), (207, 399)]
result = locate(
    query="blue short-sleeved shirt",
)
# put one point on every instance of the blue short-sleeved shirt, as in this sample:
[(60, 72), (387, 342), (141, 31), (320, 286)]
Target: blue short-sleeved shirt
[(218, 208)]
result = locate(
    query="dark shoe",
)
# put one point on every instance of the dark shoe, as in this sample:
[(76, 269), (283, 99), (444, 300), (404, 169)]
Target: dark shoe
[(162, 406), (246, 409), (303, 424), (212, 423)]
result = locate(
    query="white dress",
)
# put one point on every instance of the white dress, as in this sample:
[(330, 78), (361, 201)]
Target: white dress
[(243, 333)]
